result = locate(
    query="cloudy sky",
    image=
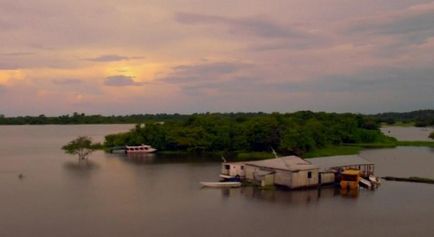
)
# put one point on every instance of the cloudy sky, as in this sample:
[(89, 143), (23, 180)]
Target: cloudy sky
[(185, 56)]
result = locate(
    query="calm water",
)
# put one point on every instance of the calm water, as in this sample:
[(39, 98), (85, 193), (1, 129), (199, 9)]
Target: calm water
[(117, 196), (409, 133)]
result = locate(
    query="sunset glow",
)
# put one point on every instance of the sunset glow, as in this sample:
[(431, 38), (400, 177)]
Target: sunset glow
[(58, 57)]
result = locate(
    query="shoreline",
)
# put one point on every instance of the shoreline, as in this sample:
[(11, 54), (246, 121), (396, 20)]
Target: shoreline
[(345, 149)]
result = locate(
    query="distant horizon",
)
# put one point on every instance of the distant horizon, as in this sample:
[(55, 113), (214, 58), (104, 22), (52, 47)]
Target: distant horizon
[(212, 112)]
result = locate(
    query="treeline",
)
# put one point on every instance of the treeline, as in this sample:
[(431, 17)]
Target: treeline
[(81, 118), (290, 133), (420, 118)]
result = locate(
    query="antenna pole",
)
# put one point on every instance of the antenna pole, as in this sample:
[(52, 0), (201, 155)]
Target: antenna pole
[(274, 152), (275, 155)]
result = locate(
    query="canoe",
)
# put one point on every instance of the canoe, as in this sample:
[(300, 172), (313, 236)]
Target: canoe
[(221, 184)]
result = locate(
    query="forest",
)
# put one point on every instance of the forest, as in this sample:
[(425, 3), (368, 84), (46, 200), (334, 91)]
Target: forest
[(288, 133), (81, 118), (418, 118)]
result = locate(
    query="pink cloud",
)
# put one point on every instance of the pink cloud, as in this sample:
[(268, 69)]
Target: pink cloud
[(82, 56)]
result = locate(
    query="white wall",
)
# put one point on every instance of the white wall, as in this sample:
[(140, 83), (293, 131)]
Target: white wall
[(300, 178)]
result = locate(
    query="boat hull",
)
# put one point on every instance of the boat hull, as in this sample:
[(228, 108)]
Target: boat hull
[(142, 151), (221, 184)]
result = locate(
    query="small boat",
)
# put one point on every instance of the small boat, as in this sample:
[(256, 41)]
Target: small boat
[(139, 149), (365, 183), (375, 181), (221, 184)]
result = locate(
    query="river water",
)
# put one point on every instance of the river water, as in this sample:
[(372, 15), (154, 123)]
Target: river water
[(408, 133), (113, 195)]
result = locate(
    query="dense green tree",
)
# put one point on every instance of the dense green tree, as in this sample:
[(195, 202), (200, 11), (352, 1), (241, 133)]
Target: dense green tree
[(294, 133), (420, 117)]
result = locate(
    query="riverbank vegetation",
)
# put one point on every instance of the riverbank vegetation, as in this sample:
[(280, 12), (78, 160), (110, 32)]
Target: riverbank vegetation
[(414, 118), (334, 151), (291, 133), (247, 135), (81, 118), (419, 118)]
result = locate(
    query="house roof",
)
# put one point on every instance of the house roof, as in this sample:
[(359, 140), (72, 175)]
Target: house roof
[(326, 163), (291, 163)]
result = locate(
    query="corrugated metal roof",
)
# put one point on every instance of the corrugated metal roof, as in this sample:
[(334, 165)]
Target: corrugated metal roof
[(264, 172), (234, 163), (325, 163), (291, 163)]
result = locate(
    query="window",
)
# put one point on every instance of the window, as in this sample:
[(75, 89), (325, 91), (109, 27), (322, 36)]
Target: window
[(227, 167), (309, 175)]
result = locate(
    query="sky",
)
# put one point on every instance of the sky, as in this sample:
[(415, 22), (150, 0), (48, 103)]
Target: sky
[(186, 56)]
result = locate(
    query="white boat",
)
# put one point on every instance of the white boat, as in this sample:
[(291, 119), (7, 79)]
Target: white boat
[(375, 181), (221, 184), (365, 183), (139, 149)]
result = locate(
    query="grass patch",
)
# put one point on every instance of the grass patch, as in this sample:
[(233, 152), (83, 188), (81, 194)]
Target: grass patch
[(174, 152), (334, 151), (399, 124), (352, 149), (347, 149), (374, 145), (230, 156), (244, 156)]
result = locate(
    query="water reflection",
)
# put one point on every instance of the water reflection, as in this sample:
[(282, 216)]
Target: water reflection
[(159, 158), (284, 196), (80, 168), (81, 165), (349, 193), (188, 158), (408, 133), (113, 195), (139, 158)]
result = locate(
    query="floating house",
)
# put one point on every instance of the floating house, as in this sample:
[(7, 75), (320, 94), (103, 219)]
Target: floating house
[(289, 171), (294, 172)]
